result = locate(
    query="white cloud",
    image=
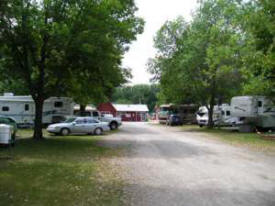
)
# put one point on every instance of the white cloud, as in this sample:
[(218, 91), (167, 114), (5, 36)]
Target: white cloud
[(155, 13)]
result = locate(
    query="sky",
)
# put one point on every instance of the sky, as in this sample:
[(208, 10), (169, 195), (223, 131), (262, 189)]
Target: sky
[(155, 13)]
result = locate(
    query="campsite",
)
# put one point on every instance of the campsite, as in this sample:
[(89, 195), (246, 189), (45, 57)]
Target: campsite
[(135, 102)]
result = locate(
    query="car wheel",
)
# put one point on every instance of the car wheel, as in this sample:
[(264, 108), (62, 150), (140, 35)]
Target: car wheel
[(65, 132), (98, 131), (113, 125)]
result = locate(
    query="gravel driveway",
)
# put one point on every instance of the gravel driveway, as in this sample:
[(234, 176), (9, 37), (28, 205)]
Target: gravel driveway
[(166, 166)]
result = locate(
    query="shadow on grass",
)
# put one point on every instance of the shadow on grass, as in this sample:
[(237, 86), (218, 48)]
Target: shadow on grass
[(57, 148), (57, 171)]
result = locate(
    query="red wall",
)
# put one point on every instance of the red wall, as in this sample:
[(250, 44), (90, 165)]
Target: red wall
[(131, 117), (108, 108)]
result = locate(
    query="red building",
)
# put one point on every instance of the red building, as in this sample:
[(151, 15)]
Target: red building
[(127, 112)]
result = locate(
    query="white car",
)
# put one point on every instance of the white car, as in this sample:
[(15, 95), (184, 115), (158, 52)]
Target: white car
[(79, 125)]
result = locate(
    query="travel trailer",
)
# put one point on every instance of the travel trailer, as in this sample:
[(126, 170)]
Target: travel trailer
[(203, 116), (221, 116), (22, 109), (256, 111), (164, 112), (186, 112)]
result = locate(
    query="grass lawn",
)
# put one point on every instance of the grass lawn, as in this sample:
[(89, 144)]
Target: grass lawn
[(58, 171), (251, 140)]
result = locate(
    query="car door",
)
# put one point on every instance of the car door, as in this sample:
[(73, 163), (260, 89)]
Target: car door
[(78, 126), (92, 125), (87, 128)]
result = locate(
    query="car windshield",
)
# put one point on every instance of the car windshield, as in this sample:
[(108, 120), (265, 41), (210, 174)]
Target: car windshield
[(70, 120)]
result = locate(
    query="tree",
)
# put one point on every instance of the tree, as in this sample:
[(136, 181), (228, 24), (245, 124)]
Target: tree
[(137, 94), (203, 66), (58, 47), (258, 22)]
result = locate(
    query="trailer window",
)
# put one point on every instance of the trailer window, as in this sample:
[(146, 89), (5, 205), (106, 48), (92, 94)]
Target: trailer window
[(58, 104), (260, 103), (27, 107), (228, 113), (5, 109)]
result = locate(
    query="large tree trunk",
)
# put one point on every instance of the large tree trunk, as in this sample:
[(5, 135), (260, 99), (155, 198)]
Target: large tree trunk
[(210, 116), (211, 111), (82, 110), (212, 103), (38, 124)]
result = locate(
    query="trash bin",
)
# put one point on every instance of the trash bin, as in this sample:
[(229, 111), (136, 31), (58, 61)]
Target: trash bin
[(5, 134)]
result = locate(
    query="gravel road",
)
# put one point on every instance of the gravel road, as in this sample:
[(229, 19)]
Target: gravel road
[(166, 166)]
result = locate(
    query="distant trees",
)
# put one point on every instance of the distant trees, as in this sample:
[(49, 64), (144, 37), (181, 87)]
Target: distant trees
[(215, 56), (73, 47), (137, 94)]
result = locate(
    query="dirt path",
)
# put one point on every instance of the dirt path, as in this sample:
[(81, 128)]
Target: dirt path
[(165, 166)]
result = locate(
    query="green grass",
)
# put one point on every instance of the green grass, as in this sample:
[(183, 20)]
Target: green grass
[(58, 171), (251, 140)]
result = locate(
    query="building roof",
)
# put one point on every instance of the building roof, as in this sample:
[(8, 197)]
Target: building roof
[(131, 107)]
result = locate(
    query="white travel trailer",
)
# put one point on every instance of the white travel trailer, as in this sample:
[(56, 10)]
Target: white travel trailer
[(22, 108), (203, 116), (226, 118), (257, 111), (221, 116)]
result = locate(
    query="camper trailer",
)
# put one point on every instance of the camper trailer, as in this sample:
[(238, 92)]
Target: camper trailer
[(221, 116), (256, 111), (203, 116), (186, 113), (22, 109), (164, 112)]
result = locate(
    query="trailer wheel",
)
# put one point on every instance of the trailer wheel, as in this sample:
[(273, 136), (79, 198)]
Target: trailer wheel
[(65, 132), (201, 125)]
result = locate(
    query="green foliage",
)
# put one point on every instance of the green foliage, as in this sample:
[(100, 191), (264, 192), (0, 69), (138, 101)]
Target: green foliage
[(74, 48), (137, 94), (227, 49), (259, 24), (73, 42), (201, 66)]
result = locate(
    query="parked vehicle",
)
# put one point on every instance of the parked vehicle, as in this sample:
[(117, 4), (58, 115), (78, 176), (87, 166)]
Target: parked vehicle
[(164, 112), (226, 118), (221, 116), (79, 125), (186, 113), (114, 122), (203, 116), (10, 121), (89, 109), (255, 111), (174, 119), (22, 109)]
